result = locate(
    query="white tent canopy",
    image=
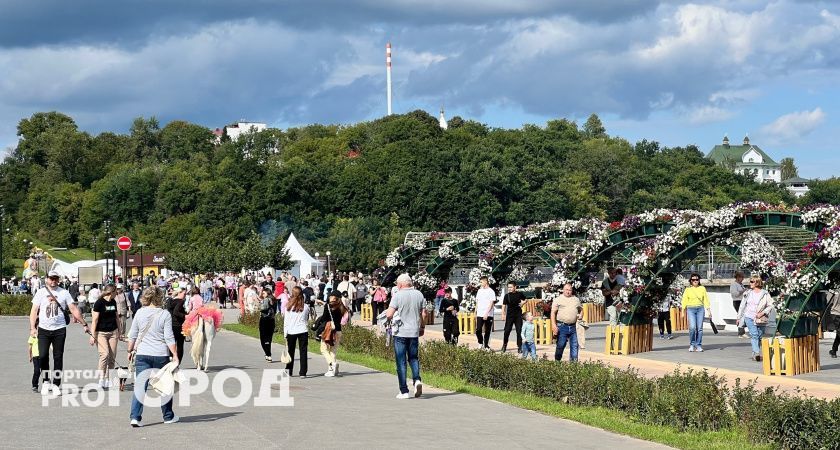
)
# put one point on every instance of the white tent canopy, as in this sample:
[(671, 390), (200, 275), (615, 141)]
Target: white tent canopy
[(304, 262), (66, 269)]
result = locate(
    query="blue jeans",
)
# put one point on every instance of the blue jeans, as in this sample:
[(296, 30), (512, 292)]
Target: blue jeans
[(529, 349), (405, 347), (756, 332), (144, 362), (437, 304), (696, 314), (566, 333)]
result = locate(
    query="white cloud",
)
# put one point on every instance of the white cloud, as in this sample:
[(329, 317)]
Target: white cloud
[(793, 126), (708, 114)]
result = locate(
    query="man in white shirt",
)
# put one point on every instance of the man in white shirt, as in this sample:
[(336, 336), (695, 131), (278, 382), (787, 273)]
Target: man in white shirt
[(48, 306), (485, 299)]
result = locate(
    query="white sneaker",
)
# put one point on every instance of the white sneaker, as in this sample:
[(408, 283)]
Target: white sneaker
[(403, 396), (418, 389), (136, 423), (174, 419), (46, 388), (691, 348), (329, 373), (698, 349)]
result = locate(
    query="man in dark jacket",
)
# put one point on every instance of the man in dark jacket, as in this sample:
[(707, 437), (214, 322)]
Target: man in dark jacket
[(133, 297)]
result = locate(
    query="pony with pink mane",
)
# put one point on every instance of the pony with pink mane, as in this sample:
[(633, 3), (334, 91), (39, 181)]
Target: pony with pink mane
[(201, 325)]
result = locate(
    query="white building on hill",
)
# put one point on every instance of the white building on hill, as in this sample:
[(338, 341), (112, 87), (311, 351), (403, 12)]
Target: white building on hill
[(234, 131)]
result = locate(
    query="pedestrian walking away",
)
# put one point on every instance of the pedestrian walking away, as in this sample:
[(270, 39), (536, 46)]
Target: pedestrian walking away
[(407, 314), (150, 342), (48, 320)]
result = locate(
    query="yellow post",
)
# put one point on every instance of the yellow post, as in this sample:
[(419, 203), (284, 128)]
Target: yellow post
[(466, 322), (367, 312)]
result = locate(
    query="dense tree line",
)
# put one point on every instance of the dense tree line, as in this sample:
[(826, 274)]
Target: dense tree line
[(354, 190)]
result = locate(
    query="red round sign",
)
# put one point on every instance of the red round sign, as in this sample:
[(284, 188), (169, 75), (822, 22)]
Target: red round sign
[(124, 243)]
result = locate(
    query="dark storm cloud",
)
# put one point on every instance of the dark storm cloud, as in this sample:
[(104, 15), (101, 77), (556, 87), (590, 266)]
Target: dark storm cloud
[(26, 23)]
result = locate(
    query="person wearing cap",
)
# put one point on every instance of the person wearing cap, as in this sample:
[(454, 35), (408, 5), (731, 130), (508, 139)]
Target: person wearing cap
[(48, 306)]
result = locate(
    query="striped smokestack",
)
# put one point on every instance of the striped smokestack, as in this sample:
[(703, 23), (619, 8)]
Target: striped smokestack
[(388, 74)]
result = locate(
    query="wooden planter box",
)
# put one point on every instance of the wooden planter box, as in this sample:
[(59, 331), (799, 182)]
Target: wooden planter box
[(791, 356), (542, 332), (629, 339), (367, 312), (430, 318), (679, 319), (593, 313), (533, 307)]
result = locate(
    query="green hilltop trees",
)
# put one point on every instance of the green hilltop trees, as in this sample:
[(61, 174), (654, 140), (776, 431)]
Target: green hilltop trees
[(351, 189)]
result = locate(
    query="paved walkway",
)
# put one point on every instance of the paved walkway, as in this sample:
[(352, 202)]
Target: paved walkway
[(351, 411), (725, 354)]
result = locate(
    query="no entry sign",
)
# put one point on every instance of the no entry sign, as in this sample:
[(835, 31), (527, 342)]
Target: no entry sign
[(124, 243)]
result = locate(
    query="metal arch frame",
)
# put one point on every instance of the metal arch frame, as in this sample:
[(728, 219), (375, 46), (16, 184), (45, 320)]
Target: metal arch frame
[(770, 219)]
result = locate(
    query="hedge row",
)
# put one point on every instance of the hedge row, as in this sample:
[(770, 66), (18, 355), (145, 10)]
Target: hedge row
[(15, 305)]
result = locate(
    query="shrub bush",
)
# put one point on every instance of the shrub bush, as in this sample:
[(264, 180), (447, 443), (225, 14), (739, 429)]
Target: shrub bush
[(15, 305)]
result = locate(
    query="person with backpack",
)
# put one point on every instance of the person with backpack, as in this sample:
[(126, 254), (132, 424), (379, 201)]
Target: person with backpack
[(48, 320)]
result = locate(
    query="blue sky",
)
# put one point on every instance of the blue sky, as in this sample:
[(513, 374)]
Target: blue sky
[(673, 71)]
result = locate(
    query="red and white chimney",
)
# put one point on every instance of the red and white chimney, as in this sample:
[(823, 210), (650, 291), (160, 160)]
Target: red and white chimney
[(388, 74)]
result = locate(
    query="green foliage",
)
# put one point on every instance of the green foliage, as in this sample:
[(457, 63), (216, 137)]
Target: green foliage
[(788, 168), (823, 191), (15, 305), (354, 190)]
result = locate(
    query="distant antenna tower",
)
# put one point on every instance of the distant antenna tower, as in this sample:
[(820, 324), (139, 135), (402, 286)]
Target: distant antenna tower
[(388, 74)]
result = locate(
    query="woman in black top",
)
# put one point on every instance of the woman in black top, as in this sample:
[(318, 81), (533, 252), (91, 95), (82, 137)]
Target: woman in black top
[(268, 308), (222, 295), (104, 333), (449, 308), (179, 314)]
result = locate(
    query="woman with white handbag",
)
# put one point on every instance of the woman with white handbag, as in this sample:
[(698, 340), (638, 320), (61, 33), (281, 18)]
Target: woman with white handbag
[(754, 313)]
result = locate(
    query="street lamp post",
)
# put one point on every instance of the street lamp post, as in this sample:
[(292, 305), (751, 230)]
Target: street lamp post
[(328, 261), (141, 245), (94, 248), (107, 225), (316, 259)]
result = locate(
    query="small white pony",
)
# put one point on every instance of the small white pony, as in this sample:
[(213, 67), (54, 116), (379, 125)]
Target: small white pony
[(202, 340)]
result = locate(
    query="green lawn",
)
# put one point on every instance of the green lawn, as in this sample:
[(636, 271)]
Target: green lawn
[(597, 417), (70, 255)]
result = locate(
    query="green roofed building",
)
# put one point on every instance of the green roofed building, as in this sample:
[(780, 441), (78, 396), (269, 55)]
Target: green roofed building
[(747, 159)]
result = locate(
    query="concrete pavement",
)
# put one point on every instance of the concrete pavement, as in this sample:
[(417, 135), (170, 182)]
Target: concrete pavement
[(355, 410)]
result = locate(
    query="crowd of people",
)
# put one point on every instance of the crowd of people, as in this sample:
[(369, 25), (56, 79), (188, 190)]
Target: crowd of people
[(160, 309)]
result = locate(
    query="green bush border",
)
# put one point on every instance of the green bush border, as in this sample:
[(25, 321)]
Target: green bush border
[(15, 305), (361, 346)]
